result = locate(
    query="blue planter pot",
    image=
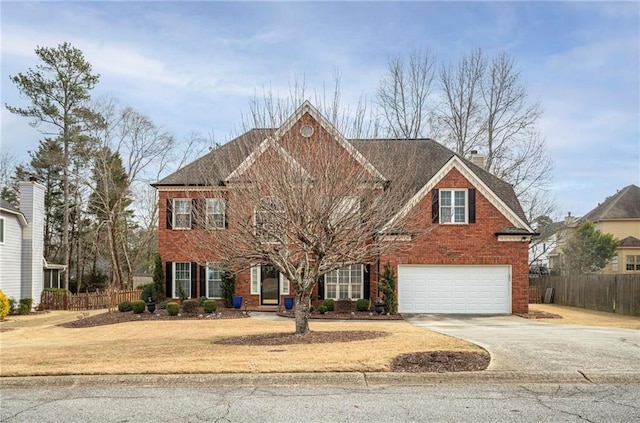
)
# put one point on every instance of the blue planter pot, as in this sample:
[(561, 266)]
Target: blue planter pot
[(237, 302), (288, 303)]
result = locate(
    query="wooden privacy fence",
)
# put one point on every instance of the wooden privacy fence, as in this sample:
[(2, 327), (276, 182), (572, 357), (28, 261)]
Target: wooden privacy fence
[(86, 301), (613, 293)]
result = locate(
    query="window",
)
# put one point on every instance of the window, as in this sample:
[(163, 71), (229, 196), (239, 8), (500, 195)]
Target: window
[(269, 219), (614, 263), (284, 285), (255, 280), (453, 206), (214, 281), (1, 230), (181, 213), (346, 208), (345, 283), (182, 276), (215, 213), (633, 263)]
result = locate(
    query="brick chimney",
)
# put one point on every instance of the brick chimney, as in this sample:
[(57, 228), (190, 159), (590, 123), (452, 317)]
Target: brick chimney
[(477, 159), (32, 206)]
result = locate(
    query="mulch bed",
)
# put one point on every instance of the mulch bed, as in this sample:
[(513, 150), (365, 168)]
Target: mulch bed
[(337, 315), (159, 314), (539, 315), (313, 337), (440, 362)]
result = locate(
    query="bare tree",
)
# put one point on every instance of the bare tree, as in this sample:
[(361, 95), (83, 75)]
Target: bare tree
[(302, 199), (481, 105), (405, 93)]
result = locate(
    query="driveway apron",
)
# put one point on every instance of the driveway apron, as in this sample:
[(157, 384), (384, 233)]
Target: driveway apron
[(518, 344)]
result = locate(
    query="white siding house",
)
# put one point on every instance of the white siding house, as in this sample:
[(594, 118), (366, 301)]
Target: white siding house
[(22, 263)]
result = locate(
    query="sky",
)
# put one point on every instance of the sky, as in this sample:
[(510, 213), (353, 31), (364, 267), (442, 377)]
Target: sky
[(195, 66)]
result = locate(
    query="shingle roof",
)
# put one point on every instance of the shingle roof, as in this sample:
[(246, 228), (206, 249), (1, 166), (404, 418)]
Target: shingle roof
[(389, 156), (625, 204), (630, 241), (8, 206), (549, 230)]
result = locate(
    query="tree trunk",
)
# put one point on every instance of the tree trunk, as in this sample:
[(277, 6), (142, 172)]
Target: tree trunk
[(65, 209), (302, 312)]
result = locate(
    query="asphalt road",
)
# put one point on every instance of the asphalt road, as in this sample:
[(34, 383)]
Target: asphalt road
[(429, 403)]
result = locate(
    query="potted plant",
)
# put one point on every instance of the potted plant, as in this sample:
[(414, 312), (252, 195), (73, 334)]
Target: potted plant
[(288, 303), (237, 302), (151, 305), (379, 306)]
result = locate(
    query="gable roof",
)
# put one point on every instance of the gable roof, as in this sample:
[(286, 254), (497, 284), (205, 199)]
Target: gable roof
[(7, 207), (380, 156), (630, 242), (625, 204)]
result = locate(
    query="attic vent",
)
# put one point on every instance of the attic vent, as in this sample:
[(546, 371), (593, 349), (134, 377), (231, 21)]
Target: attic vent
[(306, 131)]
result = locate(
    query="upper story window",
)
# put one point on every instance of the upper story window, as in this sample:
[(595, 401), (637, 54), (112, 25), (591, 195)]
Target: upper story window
[(269, 219), (181, 213), (633, 263), (1, 230), (216, 209), (453, 206)]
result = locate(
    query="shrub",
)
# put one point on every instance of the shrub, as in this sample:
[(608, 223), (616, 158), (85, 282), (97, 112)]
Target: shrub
[(125, 306), (172, 308), (138, 306), (210, 306), (163, 305), (201, 301), (25, 305), (189, 306), (147, 291), (158, 280), (329, 303), (12, 305), (228, 286), (362, 304), (388, 288), (322, 309), (57, 290), (4, 305), (312, 309), (182, 295)]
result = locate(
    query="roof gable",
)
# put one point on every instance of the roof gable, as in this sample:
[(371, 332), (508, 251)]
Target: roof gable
[(625, 204), (8, 208)]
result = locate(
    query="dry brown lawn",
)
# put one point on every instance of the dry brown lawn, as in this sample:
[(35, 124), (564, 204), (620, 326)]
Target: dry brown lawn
[(581, 316), (39, 347)]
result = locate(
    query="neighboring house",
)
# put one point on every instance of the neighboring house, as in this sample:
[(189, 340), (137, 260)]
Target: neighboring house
[(619, 215), (542, 247), (476, 262), (23, 270)]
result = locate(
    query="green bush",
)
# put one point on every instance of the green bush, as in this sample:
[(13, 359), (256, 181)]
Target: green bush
[(173, 308), (12, 305), (322, 309), (201, 301), (147, 291), (210, 306), (163, 305), (138, 306), (190, 306), (158, 280), (312, 309), (362, 304), (387, 288), (228, 286), (182, 295), (4, 305), (25, 305), (125, 306), (329, 303)]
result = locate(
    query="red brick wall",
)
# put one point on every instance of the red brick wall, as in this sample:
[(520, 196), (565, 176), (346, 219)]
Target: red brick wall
[(468, 244)]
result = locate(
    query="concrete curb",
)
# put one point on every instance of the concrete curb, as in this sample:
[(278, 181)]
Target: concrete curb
[(341, 379)]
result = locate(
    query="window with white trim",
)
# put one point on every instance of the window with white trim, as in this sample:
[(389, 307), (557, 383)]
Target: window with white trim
[(269, 219), (1, 230), (214, 281), (453, 206), (284, 285), (633, 263), (255, 280), (182, 276), (614, 263), (216, 213), (345, 283), (181, 213)]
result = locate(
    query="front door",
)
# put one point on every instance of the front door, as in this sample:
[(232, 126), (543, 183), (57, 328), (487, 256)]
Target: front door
[(269, 286)]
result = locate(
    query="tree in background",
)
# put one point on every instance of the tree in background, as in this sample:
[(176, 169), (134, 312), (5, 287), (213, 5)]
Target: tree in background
[(59, 90), (479, 104), (588, 250)]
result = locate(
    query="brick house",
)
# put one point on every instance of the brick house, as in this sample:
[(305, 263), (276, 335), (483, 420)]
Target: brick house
[(472, 259)]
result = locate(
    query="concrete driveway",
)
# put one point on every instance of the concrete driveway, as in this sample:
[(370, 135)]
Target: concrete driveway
[(530, 346)]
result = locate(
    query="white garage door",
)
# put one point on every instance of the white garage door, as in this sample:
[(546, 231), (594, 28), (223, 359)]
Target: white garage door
[(454, 289)]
